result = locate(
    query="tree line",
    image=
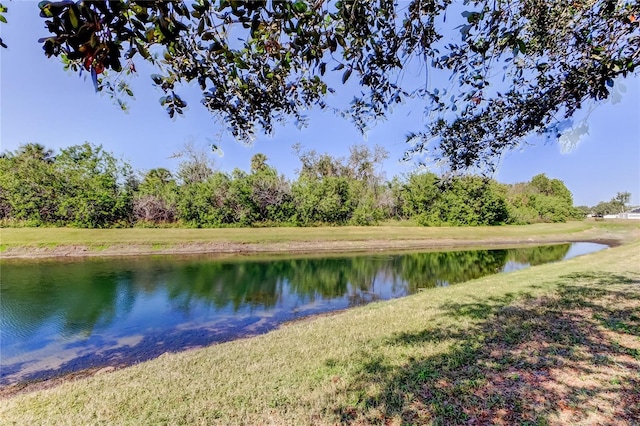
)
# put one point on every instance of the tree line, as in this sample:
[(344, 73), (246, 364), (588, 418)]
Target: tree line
[(617, 204), (86, 186)]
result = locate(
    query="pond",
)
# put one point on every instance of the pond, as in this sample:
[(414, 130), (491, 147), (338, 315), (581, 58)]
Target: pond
[(60, 316)]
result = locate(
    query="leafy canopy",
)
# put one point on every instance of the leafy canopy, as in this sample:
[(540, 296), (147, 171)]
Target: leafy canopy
[(516, 66)]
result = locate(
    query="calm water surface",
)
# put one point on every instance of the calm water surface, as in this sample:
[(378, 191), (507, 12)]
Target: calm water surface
[(62, 316)]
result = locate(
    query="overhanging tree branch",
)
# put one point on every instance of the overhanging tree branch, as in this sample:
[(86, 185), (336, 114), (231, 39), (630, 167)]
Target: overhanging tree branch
[(262, 62)]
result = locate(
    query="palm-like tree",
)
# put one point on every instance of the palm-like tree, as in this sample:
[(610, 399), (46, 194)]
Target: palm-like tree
[(258, 162), (34, 151)]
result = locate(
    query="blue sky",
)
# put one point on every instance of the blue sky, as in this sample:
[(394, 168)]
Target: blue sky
[(40, 102)]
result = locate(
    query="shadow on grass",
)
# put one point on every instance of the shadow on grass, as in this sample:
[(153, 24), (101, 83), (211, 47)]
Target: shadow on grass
[(573, 358)]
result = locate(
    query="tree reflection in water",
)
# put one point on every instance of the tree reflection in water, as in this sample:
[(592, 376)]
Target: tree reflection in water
[(48, 303)]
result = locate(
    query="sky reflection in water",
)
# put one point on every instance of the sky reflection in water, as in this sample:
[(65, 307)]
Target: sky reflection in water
[(63, 316)]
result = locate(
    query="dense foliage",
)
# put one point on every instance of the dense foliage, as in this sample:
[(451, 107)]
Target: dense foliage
[(85, 186), (82, 186), (514, 66)]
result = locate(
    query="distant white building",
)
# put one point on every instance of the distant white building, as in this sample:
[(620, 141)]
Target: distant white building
[(631, 214)]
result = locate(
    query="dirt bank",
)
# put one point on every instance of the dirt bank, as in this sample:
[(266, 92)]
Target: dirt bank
[(29, 252)]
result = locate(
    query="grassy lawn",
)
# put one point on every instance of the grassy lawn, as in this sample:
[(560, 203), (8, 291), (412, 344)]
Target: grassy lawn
[(553, 344), (58, 236), (112, 241)]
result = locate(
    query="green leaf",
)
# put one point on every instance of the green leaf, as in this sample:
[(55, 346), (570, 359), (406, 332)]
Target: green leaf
[(300, 6), (3, 19), (346, 75), (45, 9), (73, 18), (143, 50), (522, 46), (208, 35)]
